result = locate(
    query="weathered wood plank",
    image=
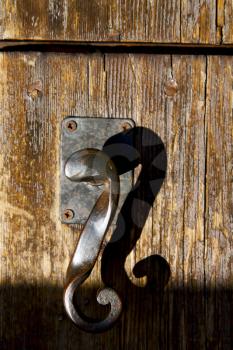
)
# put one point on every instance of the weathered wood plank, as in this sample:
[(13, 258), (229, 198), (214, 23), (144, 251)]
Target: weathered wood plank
[(35, 247), (199, 21), (101, 20), (226, 18), (219, 199), (167, 95), (183, 221), (151, 21)]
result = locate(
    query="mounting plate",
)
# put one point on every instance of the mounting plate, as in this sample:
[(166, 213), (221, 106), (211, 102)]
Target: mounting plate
[(78, 199)]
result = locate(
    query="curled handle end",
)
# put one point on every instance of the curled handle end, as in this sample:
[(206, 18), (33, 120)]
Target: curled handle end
[(92, 166)]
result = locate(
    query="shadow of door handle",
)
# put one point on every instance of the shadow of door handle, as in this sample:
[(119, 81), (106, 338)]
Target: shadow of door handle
[(96, 168)]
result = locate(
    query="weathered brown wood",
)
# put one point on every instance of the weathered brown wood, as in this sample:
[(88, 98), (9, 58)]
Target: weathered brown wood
[(188, 103), (163, 21), (226, 19), (219, 199), (99, 20)]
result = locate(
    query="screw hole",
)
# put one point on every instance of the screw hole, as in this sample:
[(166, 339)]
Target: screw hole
[(68, 215), (71, 126)]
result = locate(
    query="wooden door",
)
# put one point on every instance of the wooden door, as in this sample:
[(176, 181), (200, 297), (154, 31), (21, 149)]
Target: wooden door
[(168, 66)]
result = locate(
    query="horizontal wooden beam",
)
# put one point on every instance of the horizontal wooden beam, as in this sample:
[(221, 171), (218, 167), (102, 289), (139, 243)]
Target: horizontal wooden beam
[(156, 21)]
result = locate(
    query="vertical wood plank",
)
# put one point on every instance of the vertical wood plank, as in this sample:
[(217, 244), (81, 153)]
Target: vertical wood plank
[(35, 247), (227, 25), (219, 199), (198, 23), (183, 223)]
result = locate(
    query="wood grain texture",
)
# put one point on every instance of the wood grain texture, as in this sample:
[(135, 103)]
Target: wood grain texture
[(225, 19), (187, 101), (152, 21), (219, 199), (98, 20)]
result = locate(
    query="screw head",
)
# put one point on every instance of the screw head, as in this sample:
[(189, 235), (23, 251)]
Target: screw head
[(126, 126), (68, 214), (71, 125)]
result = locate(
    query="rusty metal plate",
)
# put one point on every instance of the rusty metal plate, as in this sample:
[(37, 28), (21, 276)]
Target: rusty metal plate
[(78, 199)]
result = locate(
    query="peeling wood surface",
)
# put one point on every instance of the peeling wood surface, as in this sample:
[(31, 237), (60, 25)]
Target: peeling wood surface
[(156, 21), (187, 101)]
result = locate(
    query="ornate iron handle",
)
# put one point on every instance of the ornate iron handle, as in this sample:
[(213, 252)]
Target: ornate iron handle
[(96, 168)]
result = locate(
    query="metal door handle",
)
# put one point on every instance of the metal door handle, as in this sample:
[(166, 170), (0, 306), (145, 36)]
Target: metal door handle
[(96, 168)]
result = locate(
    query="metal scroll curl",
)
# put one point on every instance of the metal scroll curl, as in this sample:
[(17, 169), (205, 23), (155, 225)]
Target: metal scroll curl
[(96, 168)]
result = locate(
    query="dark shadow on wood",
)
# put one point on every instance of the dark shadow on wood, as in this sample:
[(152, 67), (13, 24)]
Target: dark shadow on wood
[(32, 318), (128, 149)]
